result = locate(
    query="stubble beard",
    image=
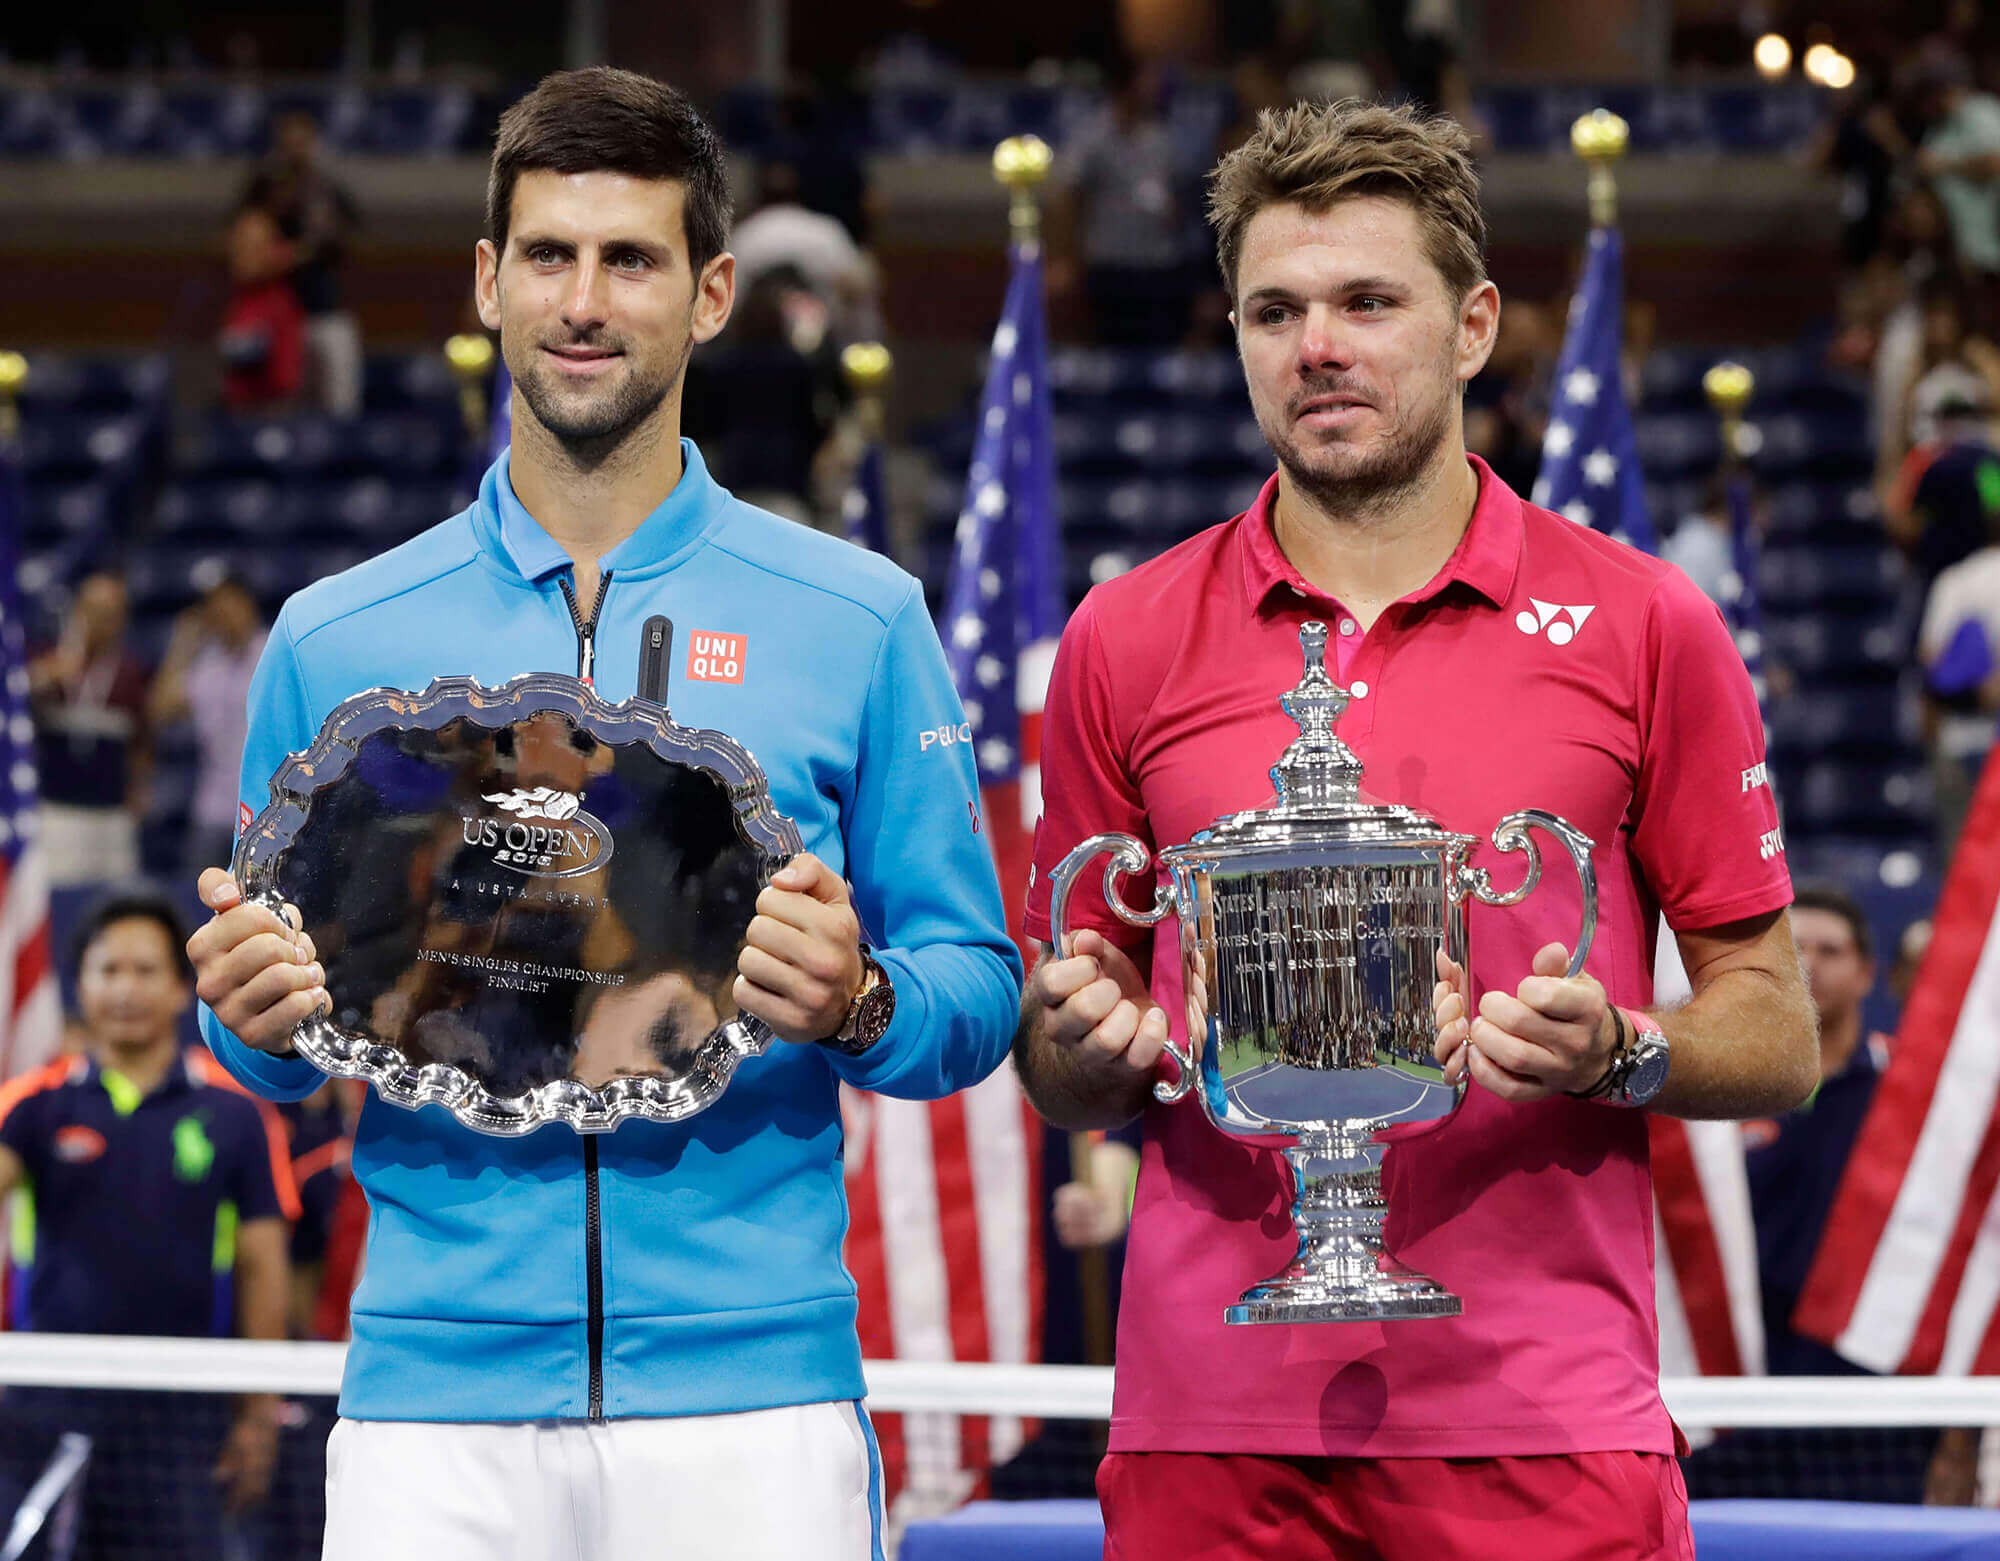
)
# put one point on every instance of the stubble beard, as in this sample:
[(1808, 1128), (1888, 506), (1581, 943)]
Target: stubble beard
[(1377, 480), (592, 427)]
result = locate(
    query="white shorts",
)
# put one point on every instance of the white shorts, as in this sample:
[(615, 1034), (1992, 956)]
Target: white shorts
[(796, 1484)]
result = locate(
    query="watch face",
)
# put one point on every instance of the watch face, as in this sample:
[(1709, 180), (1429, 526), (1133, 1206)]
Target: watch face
[(878, 1007), (1648, 1075)]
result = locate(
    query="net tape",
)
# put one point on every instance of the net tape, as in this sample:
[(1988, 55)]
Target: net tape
[(1042, 1392)]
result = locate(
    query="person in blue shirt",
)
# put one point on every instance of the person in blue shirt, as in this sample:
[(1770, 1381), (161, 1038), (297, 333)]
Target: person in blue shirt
[(159, 1196), (640, 1344)]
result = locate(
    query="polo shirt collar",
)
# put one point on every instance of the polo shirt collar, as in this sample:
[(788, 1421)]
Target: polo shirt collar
[(1486, 558), (182, 1076), (680, 521)]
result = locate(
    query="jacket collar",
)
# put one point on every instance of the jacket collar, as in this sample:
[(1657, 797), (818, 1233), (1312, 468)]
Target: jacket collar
[(514, 543)]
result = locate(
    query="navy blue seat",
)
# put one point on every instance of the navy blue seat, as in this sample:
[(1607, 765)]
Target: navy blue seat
[(84, 445), (32, 121), (230, 510), (1814, 723), (1673, 444), (69, 511), (419, 122), (1849, 648), (406, 381), (1839, 797), (1819, 575)]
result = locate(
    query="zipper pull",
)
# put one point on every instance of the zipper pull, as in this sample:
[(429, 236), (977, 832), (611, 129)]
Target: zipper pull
[(656, 648)]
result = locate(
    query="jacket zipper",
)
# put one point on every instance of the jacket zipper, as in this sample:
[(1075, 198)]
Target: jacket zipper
[(593, 1221)]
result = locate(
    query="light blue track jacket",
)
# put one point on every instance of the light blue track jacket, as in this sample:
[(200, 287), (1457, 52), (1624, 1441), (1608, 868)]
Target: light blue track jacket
[(714, 1281)]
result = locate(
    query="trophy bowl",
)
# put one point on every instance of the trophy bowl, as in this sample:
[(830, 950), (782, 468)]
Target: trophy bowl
[(1309, 935), (528, 902)]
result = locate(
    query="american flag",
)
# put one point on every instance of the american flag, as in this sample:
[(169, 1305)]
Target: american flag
[(1907, 1277), (944, 1196), (864, 508), (1705, 1267), (1590, 456), (29, 1004)]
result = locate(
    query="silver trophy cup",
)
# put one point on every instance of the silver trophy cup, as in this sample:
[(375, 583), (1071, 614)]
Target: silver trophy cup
[(1309, 933)]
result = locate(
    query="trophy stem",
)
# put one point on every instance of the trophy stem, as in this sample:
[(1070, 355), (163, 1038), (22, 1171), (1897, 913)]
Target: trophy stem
[(1341, 1272)]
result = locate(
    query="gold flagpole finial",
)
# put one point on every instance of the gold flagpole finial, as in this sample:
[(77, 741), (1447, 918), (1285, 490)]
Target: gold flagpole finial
[(866, 366), (1022, 164), (470, 354), (13, 375), (1600, 138), (1729, 387)]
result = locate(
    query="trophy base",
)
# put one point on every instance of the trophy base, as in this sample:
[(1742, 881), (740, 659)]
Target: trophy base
[(1393, 1293)]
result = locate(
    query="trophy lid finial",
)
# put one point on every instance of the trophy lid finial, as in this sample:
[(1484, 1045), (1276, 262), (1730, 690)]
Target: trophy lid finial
[(1318, 767)]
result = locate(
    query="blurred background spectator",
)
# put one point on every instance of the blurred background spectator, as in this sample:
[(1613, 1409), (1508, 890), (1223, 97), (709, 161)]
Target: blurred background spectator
[(204, 679), (91, 739), (263, 337), (314, 214)]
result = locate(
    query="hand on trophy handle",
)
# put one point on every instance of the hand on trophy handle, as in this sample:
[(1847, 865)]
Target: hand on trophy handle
[(1552, 1036), (255, 966), (1098, 1008)]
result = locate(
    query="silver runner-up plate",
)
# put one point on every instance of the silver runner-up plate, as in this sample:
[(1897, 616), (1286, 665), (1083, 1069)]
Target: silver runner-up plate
[(528, 902)]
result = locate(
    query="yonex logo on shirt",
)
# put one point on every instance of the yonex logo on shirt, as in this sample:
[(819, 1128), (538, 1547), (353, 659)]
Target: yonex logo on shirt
[(1558, 623)]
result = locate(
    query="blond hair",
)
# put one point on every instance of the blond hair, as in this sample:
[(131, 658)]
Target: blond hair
[(1315, 155)]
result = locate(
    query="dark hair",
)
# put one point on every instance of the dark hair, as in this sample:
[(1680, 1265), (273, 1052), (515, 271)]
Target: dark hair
[(132, 903), (602, 120), (1836, 901)]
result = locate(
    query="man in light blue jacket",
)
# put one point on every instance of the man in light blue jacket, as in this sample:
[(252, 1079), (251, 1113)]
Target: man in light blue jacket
[(639, 1345)]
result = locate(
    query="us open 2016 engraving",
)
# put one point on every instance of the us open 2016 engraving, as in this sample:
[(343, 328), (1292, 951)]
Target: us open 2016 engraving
[(1336, 962)]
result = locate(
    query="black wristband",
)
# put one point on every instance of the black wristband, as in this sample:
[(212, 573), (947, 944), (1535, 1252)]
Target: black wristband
[(1614, 1069)]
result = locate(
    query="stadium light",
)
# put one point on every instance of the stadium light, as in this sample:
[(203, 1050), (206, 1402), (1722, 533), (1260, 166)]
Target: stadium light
[(1840, 73), (1772, 56), (1818, 63)]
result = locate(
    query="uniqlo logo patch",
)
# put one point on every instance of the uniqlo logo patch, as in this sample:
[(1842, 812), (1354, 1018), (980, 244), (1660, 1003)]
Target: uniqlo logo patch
[(716, 658)]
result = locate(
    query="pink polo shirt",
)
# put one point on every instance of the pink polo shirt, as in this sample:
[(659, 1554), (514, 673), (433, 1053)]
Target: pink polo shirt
[(1545, 666)]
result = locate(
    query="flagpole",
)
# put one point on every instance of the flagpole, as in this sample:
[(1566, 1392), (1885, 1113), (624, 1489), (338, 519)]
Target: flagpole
[(13, 375), (470, 354), (1600, 138), (1022, 164)]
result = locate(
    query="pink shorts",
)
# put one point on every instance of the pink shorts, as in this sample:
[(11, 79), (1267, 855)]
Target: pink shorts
[(1250, 1507)]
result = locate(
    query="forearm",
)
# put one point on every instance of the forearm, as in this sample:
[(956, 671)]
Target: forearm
[(1067, 1094), (1745, 1046)]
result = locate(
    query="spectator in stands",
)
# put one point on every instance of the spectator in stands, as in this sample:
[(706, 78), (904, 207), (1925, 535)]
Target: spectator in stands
[(837, 273), (1795, 1161), (160, 1193), (1958, 648), (1095, 1211), (91, 740), (263, 338), (1126, 216), (1862, 145), (315, 215), (758, 406), (1960, 156), (1945, 503), (204, 678)]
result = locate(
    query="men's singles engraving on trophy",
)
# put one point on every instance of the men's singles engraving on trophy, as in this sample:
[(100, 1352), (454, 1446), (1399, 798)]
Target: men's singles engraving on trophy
[(528, 902), (1309, 934)]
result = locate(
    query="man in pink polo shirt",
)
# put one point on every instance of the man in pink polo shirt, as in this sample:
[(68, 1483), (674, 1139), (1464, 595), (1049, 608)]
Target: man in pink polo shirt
[(1499, 657)]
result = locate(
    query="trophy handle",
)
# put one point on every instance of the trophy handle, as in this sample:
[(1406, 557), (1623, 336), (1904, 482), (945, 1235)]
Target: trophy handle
[(1511, 834), (1127, 856)]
